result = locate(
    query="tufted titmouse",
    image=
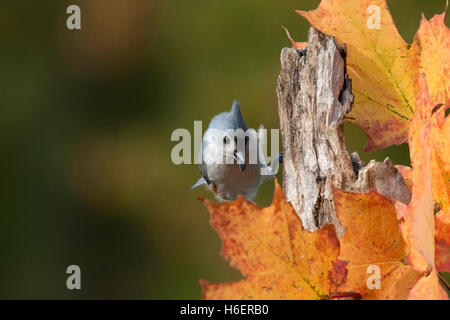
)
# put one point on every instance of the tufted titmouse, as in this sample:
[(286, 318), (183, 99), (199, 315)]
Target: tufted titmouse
[(232, 162)]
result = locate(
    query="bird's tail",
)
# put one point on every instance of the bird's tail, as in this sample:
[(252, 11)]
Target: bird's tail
[(198, 183)]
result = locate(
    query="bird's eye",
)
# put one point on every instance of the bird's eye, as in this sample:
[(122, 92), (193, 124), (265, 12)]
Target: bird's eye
[(226, 140)]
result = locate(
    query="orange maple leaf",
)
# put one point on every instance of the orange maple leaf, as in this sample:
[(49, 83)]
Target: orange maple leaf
[(373, 242), (384, 69), (440, 185), (442, 224), (442, 251), (427, 130), (433, 37), (279, 259)]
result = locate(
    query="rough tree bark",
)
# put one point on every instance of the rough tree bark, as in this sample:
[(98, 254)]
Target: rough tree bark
[(314, 94)]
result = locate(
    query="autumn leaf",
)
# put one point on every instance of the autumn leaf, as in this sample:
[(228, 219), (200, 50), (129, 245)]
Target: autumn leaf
[(439, 145), (430, 157), (433, 37), (440, 184), (384, 69), (442, 223), (419, 228), (373, 240), (442, 226), (420, 212), (278, 259), (440, 180), (428, 288), (430, 150)]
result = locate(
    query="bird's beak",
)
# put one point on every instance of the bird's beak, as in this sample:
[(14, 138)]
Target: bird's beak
[(239, 160)]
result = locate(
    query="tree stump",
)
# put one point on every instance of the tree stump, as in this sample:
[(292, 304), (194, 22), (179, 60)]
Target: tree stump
[(314, 95)]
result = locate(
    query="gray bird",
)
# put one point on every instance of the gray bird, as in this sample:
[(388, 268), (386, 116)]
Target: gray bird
[(232, 162)]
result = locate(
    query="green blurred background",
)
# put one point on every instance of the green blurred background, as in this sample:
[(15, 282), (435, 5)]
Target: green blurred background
[(85, 122)]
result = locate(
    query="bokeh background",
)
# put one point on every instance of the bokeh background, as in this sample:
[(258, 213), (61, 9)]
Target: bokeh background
[(85, 123)]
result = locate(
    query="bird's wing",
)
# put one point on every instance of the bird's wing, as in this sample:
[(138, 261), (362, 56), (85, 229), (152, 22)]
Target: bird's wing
[(204, 172), (204, 178)]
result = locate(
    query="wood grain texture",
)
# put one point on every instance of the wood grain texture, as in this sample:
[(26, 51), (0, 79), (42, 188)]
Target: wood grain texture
[(314, 95)]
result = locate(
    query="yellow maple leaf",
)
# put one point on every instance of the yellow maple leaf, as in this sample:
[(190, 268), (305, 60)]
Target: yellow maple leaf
[(433, 39), (384, 69)]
